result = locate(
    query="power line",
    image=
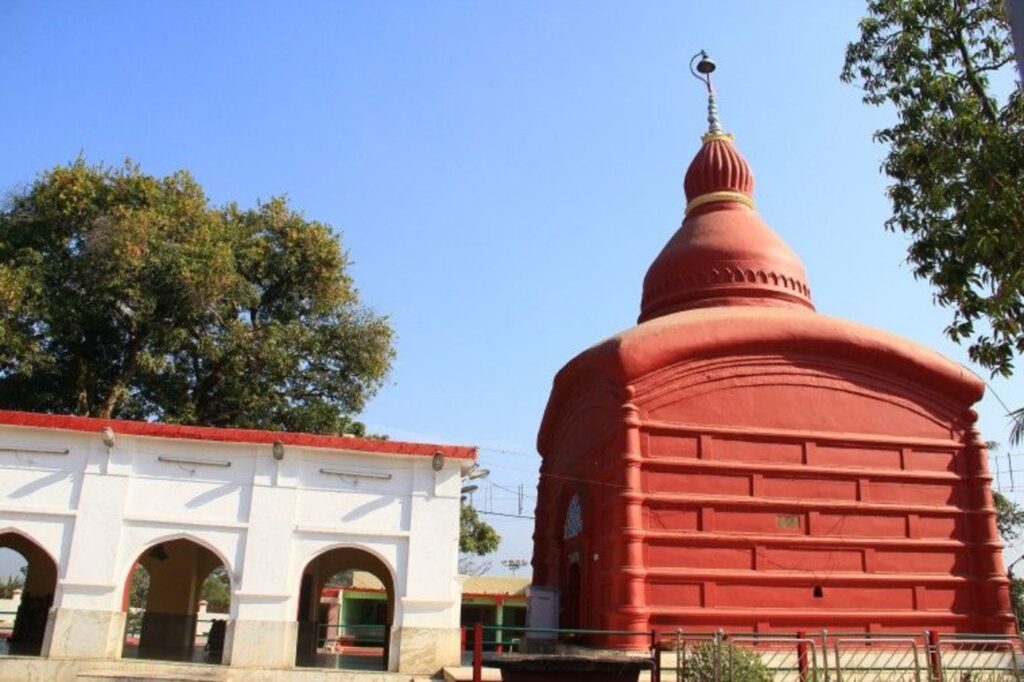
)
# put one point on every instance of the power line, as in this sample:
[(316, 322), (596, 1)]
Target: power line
[(517, 493), (516, 453), (511, 516)]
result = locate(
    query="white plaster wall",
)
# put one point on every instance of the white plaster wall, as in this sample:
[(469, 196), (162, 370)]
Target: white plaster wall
[(96, 511)]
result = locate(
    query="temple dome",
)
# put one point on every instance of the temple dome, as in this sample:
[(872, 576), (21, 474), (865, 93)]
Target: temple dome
[(724, 253)]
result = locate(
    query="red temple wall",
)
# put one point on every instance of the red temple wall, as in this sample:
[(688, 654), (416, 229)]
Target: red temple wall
[(763, 478)]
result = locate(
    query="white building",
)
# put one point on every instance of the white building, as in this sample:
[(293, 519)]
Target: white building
[(85, 500)]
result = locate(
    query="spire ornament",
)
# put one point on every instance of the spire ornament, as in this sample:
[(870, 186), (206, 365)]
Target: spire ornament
[(702, 72)]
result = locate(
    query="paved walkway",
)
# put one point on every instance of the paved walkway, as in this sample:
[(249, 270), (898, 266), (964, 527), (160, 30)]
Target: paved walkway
[(31, 669)]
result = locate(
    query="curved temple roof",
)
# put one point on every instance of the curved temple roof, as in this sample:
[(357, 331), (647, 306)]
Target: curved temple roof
[(727, 283), (724, 253)]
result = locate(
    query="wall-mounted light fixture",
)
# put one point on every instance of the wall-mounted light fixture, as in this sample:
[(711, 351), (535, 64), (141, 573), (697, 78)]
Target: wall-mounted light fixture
[(107, 434), (437, 461), (278, 449)]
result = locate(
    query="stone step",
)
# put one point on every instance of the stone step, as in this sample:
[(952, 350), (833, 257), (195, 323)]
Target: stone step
[(465, 674), (162, 672), (136, 676)]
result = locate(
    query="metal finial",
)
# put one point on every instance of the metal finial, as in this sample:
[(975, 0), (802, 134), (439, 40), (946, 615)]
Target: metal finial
[(702, 72)]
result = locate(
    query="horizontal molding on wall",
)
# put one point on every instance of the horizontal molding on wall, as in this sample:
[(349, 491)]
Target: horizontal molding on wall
[(138, 519), (799, 578), (799, 436), (359, 532), (791, 504), (686, 538), (671, 464), (38, 511)]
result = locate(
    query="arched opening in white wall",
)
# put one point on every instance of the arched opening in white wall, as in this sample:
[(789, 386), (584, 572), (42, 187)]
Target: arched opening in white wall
[(167, 597), (346, 610), (28, 597)]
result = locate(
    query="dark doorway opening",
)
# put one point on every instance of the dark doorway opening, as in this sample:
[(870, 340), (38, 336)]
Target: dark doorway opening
[(570, 617), (168, 596), (346, 611), (32, 589)]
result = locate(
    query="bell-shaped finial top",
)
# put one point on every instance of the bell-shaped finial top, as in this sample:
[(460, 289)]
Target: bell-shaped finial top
[(702, 71)]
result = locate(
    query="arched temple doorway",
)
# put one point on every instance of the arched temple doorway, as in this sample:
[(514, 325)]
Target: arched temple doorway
[(573, 548), (325, 639), (162, 596), (570, 616), (36, 595)]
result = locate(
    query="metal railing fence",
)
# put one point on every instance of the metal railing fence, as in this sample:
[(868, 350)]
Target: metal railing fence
[(333, 637), (979, 658), (823, 656), (575, 639), (840, 657)]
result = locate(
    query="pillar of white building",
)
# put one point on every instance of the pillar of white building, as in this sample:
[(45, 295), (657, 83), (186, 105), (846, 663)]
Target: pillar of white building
[(87, 620), (263, 630), (427, 637)]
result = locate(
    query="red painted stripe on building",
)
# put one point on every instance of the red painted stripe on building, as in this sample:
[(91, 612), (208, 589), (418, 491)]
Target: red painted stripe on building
[(225, 435)]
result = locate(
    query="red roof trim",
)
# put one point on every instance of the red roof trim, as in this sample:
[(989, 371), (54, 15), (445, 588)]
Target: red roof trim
[(211, 433), (504, 596)]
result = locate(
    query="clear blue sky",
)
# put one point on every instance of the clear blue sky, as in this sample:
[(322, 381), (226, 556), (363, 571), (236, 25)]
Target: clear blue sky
[(502, 173)]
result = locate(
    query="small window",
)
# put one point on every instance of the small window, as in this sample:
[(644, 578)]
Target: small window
[(818, 592), (573, 519)]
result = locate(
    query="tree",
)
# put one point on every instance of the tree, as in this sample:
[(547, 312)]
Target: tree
[(956, 159), (128, 295), (475, 535), (138, 595), (1010, 521), (9, 584), (216, 591), (1009, 517)]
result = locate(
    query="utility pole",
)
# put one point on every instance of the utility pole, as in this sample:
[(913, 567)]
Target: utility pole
[(514, 565)]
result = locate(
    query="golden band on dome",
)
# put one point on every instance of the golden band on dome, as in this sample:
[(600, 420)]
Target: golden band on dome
[(708, 137), (724, 195)]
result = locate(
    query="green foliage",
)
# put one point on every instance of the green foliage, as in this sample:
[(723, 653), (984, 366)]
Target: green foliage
[(9, 584), (341, 579), (127, 295), (1010, 521), (1009, 517), (956, 159), (746, 666), (1017, 599), (217, 591), (475, 535), (138, 591)]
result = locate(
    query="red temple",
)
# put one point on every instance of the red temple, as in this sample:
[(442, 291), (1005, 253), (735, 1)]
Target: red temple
[(739, 461)]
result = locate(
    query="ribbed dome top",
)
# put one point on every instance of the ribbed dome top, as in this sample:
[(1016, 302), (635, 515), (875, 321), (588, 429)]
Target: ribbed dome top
[(724, 253), (718, 167)]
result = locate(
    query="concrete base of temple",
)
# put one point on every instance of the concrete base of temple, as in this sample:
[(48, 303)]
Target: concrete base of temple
[(425, 651), (261, 643), (81, 634)]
